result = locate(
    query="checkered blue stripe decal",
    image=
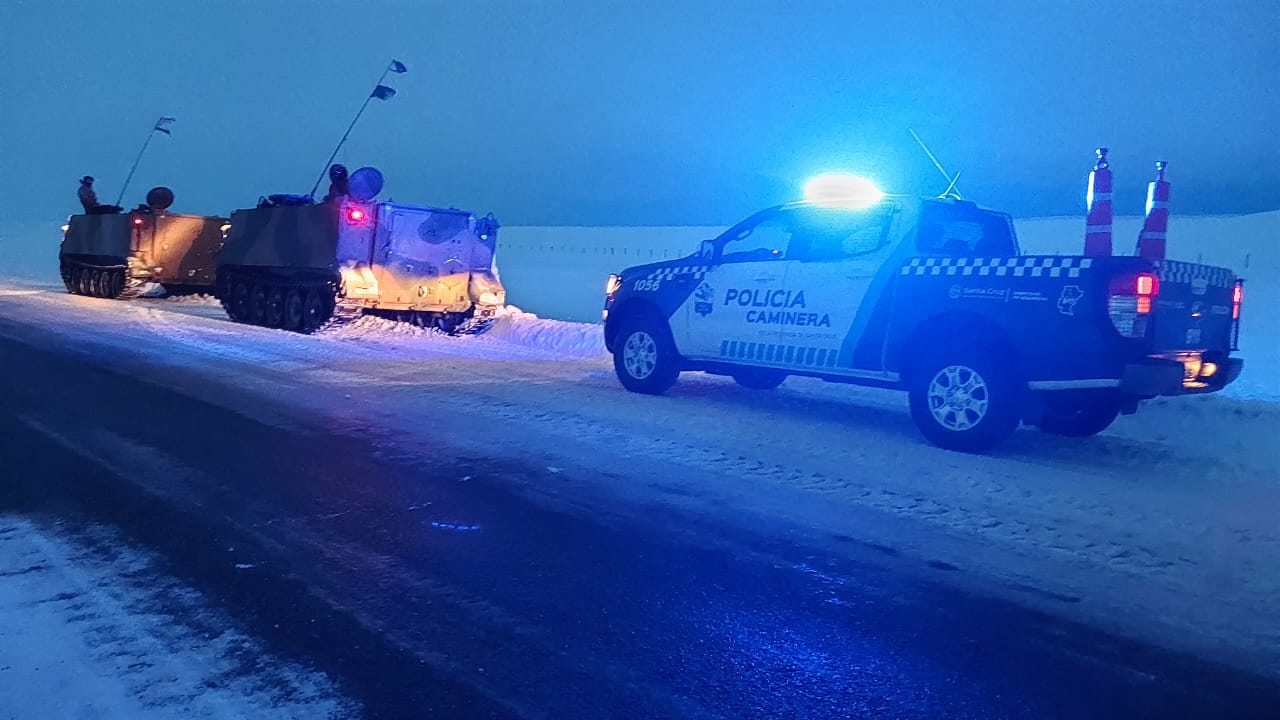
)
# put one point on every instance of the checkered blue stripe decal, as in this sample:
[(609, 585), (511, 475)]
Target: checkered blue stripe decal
[(1015, 266), (670, 273), (790, 355), (1176, 271)]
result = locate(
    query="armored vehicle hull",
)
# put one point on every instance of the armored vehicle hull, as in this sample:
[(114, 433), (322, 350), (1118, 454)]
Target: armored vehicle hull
[(116, 255), (304, 267)]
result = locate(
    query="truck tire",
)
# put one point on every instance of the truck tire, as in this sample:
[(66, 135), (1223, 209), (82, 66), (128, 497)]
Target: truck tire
[(645, 357), (964, 400), (759, 379), (1082, 414)]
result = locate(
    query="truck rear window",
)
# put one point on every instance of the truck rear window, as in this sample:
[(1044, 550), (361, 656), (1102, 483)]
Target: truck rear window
[(959, 230)]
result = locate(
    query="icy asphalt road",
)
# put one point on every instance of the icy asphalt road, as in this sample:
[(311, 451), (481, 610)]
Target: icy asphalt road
[(444, 535)]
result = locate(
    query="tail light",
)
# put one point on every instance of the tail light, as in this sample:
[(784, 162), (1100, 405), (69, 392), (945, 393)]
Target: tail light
[(356, 216), (1237, 299), (1130, 301)]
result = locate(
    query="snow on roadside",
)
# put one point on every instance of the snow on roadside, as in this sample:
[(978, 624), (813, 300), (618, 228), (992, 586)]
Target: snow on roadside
[(513, 326), (567, 338), (88, 629)]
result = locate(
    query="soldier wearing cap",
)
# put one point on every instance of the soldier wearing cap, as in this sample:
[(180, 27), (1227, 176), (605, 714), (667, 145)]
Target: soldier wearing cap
[(88, 198)]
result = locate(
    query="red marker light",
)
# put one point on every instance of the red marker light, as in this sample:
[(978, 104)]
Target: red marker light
[(1147, 285), (137, 221), (355, 215), (1237, 297)]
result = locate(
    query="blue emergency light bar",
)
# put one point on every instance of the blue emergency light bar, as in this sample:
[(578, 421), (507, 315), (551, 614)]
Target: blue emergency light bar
[(842, 190)]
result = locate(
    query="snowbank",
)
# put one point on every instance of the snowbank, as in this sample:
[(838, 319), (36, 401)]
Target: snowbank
[(566, 338)]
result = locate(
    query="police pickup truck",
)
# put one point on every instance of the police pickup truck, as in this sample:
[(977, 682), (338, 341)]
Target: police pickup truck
[(931, 296)]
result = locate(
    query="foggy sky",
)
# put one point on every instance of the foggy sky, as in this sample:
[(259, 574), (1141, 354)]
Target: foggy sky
[(663, 112)]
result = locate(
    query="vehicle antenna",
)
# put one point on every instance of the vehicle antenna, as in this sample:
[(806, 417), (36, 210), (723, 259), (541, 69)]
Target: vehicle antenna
[(162, 125), (952, 190), (380, 91)]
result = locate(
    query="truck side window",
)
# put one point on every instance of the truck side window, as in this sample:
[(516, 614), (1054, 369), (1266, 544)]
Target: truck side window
[(839, 234), (768, 239)]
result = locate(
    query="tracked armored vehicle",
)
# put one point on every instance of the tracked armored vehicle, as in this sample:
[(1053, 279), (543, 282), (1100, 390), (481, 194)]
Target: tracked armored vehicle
[(116, 255), (294, 264)]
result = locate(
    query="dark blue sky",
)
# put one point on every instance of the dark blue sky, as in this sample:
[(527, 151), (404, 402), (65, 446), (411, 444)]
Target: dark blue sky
[(679, 112)]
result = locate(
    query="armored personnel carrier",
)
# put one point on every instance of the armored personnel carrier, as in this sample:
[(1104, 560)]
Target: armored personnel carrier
[(116, 255), (303, 266)]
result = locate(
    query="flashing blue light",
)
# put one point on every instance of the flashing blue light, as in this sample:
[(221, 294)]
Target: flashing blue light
[(842, 190)]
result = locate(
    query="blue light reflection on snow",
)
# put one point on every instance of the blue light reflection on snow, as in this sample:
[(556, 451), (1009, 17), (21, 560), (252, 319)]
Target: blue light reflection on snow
[(454, 526)]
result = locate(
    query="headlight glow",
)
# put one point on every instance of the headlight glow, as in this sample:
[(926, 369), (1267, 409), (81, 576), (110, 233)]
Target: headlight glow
[(613, 285)]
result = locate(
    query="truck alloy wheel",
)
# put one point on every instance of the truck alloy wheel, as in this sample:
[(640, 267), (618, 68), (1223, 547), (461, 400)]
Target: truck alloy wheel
[(645, 357), (965, 401), (640, 355), (958, 397)]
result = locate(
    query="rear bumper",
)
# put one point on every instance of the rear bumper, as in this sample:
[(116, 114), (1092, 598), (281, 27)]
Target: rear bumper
[(1158, 376)]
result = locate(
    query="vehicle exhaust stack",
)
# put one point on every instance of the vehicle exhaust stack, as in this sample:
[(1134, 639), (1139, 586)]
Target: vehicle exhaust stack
[(1151, 241), (1097, 233)]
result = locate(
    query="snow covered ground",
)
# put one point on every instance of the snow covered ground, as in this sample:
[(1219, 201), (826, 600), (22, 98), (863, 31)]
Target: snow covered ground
[(1164, 527), (90, 628)]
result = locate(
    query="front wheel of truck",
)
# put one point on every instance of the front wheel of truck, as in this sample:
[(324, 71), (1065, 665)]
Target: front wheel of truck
[(1078, 414), (645, 357)]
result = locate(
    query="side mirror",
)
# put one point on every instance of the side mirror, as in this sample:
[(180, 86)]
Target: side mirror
[(707, 251)]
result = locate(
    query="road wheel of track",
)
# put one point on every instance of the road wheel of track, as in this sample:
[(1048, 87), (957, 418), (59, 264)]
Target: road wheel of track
[(293, 312), (68, 277), (117, 283), (82, 281), (315, 311), (273, 315), (964, 400), (104, 283), (759, 378), (1078, 414), (645, 357), (258, 305), (448, 323), (239, 305), (95, 283)]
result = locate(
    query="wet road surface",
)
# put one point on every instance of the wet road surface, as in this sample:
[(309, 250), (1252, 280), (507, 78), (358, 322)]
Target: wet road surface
[(445, 585)]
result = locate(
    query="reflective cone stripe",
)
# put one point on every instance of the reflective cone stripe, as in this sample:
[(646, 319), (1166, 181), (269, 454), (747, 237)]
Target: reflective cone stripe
[(1151, 241), (1097, 233)]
